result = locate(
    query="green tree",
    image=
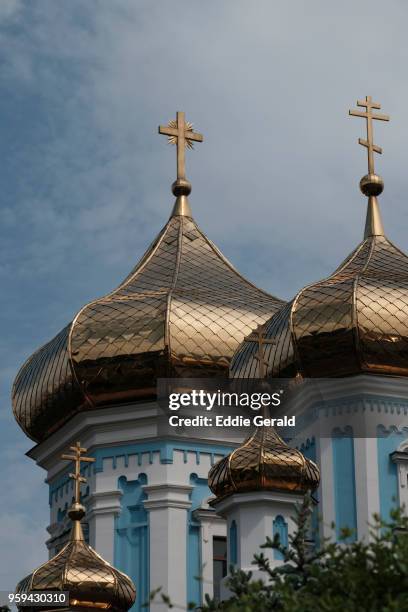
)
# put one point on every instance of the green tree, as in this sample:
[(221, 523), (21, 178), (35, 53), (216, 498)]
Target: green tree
[(358, 577)]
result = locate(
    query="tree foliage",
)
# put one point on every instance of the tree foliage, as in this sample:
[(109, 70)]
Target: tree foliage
[(361, 576)]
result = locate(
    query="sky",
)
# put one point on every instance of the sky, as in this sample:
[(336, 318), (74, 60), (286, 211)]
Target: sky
[(85, 178)]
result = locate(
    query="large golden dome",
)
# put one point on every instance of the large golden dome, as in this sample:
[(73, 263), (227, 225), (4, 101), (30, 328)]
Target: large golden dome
[(352, 322), (182, 311), (356, 320)]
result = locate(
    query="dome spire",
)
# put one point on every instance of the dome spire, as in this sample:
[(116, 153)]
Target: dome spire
[(91, 582), (371, 184), (77, 511), (180, 132)]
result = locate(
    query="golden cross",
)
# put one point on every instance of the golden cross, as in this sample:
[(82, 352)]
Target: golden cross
[(180, 133), (258, 336), (78, 458), (369, 116)]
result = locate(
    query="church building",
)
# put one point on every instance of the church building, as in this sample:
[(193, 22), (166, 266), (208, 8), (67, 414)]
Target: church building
[(174, 511)]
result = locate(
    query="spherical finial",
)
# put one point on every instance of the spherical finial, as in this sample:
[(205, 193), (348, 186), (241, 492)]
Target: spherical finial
[(76, 512), (371, 185), (181, 187)]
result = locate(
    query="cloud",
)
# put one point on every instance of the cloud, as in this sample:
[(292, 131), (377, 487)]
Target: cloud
[(10, 8), (86, 178), (23, 515)]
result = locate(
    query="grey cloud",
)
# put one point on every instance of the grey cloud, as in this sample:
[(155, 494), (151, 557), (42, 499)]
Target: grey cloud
[(86, 179)]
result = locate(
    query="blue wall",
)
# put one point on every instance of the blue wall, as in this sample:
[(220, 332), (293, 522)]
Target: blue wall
[(194, 565), (131, 538), (131, 554), (344, 483), (233, 543)]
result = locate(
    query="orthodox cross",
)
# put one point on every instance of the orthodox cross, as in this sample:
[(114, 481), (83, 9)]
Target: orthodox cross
[(259, 337), (369, 116), (180, 132), (77, 458)]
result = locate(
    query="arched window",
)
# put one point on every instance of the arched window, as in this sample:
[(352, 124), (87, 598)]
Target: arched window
[(233, 543), (280, 528)]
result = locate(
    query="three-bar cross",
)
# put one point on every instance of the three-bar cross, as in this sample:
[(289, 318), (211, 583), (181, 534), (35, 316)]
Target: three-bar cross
[(369, 116), (77, 458)]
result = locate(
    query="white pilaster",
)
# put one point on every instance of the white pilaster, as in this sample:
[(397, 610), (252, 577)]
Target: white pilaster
[(103, 507), (366, 478), (168, 505), (212, 526), (326, 490)]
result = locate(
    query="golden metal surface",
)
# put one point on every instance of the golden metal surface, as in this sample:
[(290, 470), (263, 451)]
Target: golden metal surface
[(354, 321), (90, 580), (78, 458), (369, 116), (180, 133), (182, 311), (263, 462)]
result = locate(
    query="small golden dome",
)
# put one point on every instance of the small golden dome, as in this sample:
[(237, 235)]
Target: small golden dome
[(92, 583), (264, 462), (90, 580)]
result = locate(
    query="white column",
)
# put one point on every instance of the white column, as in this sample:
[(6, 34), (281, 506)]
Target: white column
[(366, 478), (211, 526), (168, 505), (102, 508)]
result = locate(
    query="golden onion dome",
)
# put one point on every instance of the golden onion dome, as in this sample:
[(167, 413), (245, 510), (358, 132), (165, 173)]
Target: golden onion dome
[(181, 312), (264, 462), (90, 581), (355, 321)]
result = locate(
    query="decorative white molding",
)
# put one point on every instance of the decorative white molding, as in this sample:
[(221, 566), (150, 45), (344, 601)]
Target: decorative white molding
[(104, 502), (212, 526), (400, 458)]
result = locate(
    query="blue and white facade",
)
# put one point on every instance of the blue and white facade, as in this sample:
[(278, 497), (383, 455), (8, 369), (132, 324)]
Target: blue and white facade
[(146, 499), (358, 435), (147, 496)]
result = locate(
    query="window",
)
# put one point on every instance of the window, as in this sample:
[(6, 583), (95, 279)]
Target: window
[(219, 563), (280, 527), (233, 543)]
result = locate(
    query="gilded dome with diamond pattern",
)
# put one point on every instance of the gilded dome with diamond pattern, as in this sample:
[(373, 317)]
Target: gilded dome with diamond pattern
[(181, 312), (352, 322), (264, 462)]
